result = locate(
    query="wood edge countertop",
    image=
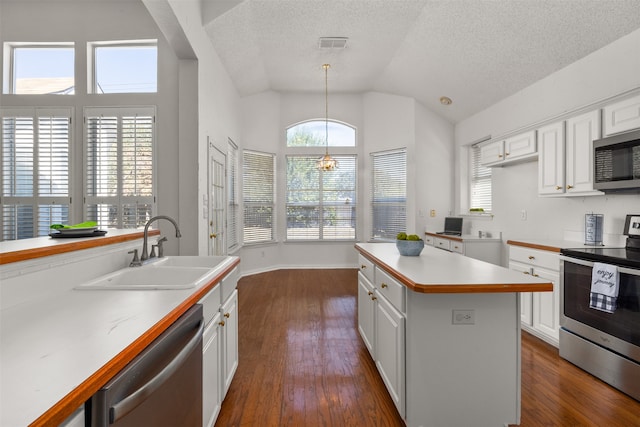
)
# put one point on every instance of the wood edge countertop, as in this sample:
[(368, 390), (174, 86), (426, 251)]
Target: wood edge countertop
[(69, 245), (457, 288), (68, 404), (542, 247)]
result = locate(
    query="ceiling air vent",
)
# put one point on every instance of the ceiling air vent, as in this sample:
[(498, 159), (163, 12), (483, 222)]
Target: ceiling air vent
[(332, 42)]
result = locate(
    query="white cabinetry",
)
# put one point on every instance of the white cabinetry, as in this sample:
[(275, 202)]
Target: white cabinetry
[(565, 166), (519, 147), (381, 322), (484, 249), (540, 311), (220, 344), (621, 116)]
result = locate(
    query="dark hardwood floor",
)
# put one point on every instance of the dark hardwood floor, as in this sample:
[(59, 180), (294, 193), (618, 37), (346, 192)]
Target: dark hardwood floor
[(302, 363)]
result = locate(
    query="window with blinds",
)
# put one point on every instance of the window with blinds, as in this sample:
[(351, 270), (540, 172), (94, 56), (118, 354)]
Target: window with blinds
[(119, 165), (35, 158), (388, 194), (321, 205), (480, 182), (233, 238), (258, 194)]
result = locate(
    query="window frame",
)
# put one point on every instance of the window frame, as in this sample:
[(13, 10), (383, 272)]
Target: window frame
[(250, 204), (9, 60), (392, 165), (38, 200), (92, 68), (479, 173), (233, 202)]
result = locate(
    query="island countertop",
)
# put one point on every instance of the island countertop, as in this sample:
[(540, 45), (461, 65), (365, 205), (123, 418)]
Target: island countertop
[(437, 271)]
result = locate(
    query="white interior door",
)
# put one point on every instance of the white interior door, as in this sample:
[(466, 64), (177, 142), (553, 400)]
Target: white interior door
[(217, 200)]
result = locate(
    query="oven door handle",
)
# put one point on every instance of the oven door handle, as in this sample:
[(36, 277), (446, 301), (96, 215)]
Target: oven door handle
[(623, 270)]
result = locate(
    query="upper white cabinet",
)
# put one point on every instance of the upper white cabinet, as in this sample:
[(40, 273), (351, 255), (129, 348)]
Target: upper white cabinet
[(516, 148), (565, 165), (621, 116)]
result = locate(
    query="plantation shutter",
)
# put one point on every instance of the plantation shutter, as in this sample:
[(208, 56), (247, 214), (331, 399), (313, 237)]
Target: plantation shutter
[(389, 194), (119, 189)]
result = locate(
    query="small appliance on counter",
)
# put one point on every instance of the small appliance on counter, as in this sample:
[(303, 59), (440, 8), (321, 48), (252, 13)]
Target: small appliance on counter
[(632, 230), (593, 229)]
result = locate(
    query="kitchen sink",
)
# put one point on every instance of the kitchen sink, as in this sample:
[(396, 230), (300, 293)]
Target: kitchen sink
[(151, 278), (189, 261)]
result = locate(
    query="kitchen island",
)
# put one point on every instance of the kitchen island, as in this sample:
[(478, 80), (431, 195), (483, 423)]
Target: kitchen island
[(444, 331)]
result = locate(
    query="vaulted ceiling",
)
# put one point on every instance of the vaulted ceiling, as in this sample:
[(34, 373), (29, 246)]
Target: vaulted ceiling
[(476, 52)]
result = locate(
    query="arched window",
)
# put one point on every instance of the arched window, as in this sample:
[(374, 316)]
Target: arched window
[(313, 133), (321, 205)]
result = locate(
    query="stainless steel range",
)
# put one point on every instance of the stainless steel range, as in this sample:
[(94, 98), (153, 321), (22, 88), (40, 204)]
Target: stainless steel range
[(603, 340)]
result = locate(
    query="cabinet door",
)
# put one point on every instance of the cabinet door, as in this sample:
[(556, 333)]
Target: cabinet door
[(526, 301), (492, 153), (211, 384), (229, 312), (622, 116), (390, 351), (551, 161), (520, 145), (546, 306), (366, 313), (581, 131)]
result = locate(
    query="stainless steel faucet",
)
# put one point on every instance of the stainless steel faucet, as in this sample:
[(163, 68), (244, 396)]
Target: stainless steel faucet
[(145, 253)]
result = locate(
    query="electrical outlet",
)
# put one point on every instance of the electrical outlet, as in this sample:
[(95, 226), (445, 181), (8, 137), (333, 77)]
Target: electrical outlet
[(432, 213), (523, 215), (464, 317)]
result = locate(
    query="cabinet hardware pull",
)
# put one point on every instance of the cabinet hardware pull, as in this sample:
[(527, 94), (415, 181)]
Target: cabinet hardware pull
[(532, 257), (569, 187), (506, 154), (369, 293), (499, 156), (384, 285), (535, 275), (374, 298), (363, 266), (227, 315), (526, 272), (213, 235), (221, 323), (558, 187)]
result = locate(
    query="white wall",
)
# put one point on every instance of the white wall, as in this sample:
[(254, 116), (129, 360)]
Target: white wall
[(383, 122), (608, 72)]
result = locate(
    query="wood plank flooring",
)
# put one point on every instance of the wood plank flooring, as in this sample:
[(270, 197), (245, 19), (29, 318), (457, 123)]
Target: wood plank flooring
[(302, 363)]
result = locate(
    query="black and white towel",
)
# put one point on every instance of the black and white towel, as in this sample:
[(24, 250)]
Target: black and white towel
[(605, 281)]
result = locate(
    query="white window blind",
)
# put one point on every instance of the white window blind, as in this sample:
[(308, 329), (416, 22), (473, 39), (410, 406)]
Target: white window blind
[(119, 159), (388, 194), (258, 194), (480, 182), (321, 205), (36, 145), (233, 239)]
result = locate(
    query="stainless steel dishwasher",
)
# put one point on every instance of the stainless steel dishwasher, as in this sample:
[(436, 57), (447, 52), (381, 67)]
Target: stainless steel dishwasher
[(162, 386)]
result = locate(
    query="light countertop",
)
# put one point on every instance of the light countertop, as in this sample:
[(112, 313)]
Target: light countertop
[(437, 271), (57, 350)]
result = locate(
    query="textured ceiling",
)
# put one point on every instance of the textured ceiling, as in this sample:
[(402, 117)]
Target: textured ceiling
[(476, 52)]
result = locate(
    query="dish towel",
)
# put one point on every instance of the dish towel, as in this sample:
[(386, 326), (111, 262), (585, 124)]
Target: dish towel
[(605, 281)]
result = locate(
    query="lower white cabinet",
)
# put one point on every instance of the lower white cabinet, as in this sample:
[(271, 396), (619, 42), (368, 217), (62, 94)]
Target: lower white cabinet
[(540, 311), (381, 323), (220, 345), (485, 249)]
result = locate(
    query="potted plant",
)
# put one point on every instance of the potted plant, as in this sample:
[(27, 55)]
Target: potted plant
[(409, 245)]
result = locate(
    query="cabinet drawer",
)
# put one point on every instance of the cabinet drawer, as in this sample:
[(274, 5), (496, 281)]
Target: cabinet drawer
[(428, 240), (535, 257), (391, 289), (366, 267), (211, 303), (229, 284), (456, 246), (442, 243)]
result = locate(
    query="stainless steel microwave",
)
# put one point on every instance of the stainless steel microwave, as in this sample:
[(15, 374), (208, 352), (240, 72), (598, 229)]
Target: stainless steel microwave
[(617, 162)]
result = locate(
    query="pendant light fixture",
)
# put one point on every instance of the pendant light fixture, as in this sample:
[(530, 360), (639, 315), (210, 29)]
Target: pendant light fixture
[(326, 162)]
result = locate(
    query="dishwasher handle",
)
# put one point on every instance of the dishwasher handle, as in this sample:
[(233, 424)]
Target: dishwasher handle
[(133, 400)]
